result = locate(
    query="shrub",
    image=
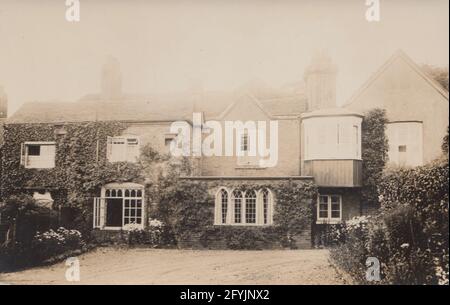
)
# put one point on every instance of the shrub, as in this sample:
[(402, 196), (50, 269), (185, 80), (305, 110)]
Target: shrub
[(52, 243), (409, 235), (151, 235)]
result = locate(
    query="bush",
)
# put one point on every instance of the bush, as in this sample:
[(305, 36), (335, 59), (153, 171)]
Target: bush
[(409, 235), (152, 235), (53, 243)]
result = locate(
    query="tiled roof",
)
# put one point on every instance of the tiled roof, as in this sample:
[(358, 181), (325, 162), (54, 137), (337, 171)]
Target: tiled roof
[(154, 108)]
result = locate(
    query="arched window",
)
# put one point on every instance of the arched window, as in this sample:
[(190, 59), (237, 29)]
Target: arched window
[(265, 202), (224, 205), (237, 203), (250, 207)]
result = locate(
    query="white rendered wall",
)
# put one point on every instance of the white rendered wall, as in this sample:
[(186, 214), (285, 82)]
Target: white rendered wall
[(332, 137), (405, 143)]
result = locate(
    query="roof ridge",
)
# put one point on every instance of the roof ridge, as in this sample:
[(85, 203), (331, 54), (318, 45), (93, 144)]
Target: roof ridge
[(397, 54)]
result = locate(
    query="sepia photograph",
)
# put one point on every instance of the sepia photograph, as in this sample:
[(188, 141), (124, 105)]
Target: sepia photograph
[(224, 148)]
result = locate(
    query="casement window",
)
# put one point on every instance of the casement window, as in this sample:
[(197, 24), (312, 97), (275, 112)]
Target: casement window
[(244, 142), (329, 209), (247, 160), (123, 149), (248, 207), (121, 206), (38, 154)]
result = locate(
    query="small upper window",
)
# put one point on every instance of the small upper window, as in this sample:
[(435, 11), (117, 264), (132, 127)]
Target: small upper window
[(244, 142), (123, 149), (402, 148), (38, 154)]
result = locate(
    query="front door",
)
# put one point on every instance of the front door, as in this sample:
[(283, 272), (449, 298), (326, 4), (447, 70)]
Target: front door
[(114, 212)]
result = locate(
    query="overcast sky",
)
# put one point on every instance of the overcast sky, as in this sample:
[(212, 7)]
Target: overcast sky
[(168, 46)]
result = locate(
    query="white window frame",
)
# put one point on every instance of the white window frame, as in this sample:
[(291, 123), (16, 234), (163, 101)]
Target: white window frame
[(230, 218), (128, 156), (329, 219), (44, 161), (100, 205)]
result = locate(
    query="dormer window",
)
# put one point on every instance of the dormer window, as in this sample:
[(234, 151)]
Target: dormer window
[(38, 154), (123, 149)]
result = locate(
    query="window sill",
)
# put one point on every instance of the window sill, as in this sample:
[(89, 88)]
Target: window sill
[(242, 225), (328, 222), (249, 167)]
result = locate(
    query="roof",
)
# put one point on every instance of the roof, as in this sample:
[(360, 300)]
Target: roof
[(335, 111), (168, 107), (397, 55)]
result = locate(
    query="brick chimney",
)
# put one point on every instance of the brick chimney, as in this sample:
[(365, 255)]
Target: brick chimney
[(111, 84), (320, 78)]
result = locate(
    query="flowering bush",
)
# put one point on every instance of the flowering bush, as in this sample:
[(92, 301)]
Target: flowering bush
[(152, 235), (409, 235), (52, 243)]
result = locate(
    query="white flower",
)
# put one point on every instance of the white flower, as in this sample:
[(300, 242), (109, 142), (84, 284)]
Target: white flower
[(405, 245)]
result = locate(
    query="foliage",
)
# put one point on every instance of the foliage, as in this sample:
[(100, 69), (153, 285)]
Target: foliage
[(52, 243), (374, 148), (150, 236), (439, 74), (410, 233), (43, 247), (27, 217), (445, 144), (188, 208)]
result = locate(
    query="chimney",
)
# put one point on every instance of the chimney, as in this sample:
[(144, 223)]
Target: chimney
[(111, 85), (320, 78), (3, 104)]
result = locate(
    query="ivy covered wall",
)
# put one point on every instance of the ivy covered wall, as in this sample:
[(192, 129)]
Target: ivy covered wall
[(80, 165), (188, 206), (374, 149)]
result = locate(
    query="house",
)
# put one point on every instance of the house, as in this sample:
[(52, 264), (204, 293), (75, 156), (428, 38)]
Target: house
[(317, 141), (416, 107)]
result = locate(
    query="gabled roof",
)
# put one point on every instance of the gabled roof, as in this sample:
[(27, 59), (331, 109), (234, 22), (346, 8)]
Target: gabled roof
[(397, 55)]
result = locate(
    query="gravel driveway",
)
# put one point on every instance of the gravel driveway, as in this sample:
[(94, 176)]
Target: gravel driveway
[(151, 266)]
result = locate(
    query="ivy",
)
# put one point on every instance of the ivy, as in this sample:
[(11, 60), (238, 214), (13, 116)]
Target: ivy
[(374, 149), (80, 168), (188, 207)]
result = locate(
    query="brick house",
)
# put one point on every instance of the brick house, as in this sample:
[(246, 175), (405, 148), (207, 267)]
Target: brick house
[(317, 141)]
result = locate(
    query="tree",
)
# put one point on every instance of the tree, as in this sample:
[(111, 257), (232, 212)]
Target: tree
[(439, 74)]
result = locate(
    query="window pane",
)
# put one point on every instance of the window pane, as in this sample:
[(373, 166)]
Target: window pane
[(237, 199), (335, 214), (34, 150), (250, 207), (224, 203), (265, 205)]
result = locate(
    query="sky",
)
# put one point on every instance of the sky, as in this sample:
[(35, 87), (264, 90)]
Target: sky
[(171, 45)]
